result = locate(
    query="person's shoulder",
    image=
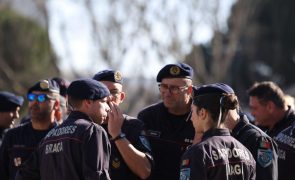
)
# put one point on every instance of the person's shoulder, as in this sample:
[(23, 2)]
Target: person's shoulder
[(152, 108), (19, 128), (130, 121)]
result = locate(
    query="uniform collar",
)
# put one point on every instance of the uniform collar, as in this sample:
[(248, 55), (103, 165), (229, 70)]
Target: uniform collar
[(215, 132), (79, 115), (243, 121)]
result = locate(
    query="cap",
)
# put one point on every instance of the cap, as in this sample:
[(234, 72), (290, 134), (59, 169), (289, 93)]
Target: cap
[(109, 75), (216, 88), (9, 101), (87, 89), (179, 70), (45, 85), (63, 85)]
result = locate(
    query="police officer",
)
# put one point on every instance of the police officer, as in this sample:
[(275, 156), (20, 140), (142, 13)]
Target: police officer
[(286, 152), (268, 106), (20, 142), (262, 147), (78, 148), (218, 155), (9, 110), (167, 123), (131, 154)]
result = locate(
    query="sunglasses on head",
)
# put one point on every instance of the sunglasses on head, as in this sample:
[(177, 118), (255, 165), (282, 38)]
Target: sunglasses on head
[(39, 97)]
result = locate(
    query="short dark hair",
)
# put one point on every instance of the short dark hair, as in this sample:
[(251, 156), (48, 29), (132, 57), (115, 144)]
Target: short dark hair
[(267, 91)]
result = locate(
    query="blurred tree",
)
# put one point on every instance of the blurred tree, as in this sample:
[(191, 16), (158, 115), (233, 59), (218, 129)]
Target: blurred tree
[(25, 53)]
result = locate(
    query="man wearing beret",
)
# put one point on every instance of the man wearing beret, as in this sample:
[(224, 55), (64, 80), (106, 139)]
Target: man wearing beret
[(9, 110), (131, 154), (20, 142), (167, 123), (79, 148)]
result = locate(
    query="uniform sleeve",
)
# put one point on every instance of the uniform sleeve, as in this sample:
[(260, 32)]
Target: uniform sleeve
[(4, 157), (30, 169), (96, 152), (192, 167), (266, 159)]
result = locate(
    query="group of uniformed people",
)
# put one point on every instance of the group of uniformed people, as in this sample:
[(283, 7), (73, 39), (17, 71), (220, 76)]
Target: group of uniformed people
[(194, 132)]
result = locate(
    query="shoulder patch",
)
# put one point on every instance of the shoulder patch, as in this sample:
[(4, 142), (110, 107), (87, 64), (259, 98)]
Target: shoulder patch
[(264, 157), (185, 174)]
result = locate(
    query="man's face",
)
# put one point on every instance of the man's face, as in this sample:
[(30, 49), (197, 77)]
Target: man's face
[(98, 110), (41, 111), (259, 111), (117, 95), (7, 118), (174, 92)]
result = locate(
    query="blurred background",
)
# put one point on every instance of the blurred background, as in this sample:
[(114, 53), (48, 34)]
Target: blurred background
[(233, 41)]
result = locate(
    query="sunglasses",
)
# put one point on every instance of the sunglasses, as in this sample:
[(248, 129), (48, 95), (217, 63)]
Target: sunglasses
[(39, 97)]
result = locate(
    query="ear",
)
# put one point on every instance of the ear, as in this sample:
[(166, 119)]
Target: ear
[(56, 105), (190, 89), (270, 106), (122, 96)]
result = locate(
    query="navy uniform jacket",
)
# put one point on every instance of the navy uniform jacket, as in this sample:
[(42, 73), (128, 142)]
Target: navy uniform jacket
[(18, 144), (262, 147), (287, 121), (218, 156), (133, 128), (169, 136), (75, 150), (286, 144)]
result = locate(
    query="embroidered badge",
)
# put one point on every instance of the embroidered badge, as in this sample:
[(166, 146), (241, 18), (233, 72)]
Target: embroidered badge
[(264, 157), (265, 144), (153, 133), (174, 70), (44, 84), (17, 161), (118, 76), (145, 142), (185, 162), (185, 174), (116, 163)]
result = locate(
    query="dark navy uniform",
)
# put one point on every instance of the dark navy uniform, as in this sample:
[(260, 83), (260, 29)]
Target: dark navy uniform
[(77, 149), (286, 152), (133, 128), (169, 136), (218, 156), (17, 146), (262, 147), (287, 121)]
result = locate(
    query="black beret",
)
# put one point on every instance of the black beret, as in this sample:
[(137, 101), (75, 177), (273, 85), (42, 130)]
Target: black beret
[(63, 85), (216, 88), (109, 75), (9, 101), (87, 89), (45, 85), (179, 70)]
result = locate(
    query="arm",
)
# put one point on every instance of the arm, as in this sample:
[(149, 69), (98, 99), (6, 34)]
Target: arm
[(136, 160), (96, 152)]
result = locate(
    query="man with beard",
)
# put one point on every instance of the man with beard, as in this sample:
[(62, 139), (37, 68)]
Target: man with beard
[(79, 148), (9, 110), (20, 142)]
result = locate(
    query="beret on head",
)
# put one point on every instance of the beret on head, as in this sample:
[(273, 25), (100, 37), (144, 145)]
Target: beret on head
[(9, 101), (179, 70), (216, 88), (63, 85), (87, 89), (109, 75), (45, 85)]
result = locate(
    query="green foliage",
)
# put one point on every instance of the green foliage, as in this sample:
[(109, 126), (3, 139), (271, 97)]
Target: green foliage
[(25, 53)]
